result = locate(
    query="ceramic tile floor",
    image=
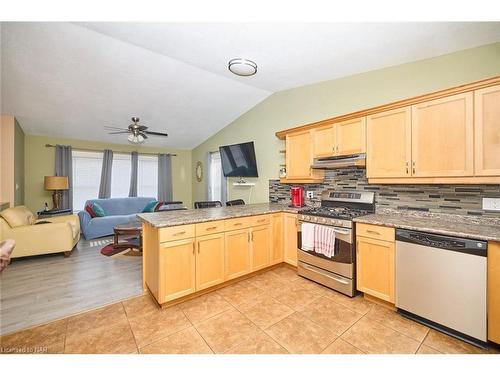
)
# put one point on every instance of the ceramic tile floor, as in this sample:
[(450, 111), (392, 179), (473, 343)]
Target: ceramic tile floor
[(272, 313)]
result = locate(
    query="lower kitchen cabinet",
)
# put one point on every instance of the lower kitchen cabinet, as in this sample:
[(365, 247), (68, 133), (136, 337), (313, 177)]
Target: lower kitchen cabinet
[(290, 238), (209, 261), (494, 292), (277, 238), (176, 270), (260, 239), (237, 251), (375, 267)]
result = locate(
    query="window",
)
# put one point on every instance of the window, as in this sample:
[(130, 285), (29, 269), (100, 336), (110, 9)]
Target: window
[(86, 177), (215, 177), (120, 175), (147, 176)]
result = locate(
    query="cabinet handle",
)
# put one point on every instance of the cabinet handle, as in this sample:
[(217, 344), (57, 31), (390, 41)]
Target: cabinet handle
[(248, 237), (407, 165), (194, 244), (413, 164), (179, 233), (198, 247), (237, 224), (211, 228), (261, 220), (373, 232)]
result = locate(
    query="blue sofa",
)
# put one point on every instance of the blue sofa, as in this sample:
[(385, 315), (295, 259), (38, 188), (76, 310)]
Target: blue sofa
[(118, 211)]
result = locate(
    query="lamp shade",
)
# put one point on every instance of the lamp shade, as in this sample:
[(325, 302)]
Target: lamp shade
[(56, 183)]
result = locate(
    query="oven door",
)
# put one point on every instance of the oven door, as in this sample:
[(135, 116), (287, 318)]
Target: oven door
[(344, 248)]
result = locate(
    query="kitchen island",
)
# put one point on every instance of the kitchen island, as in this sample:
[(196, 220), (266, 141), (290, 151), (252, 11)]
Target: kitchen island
[(190, 252)]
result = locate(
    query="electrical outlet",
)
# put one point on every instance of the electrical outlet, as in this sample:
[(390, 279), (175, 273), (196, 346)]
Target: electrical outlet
[(491, 204), (310, 194)]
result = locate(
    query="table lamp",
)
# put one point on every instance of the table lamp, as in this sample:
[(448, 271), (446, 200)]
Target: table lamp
[(56, 184)]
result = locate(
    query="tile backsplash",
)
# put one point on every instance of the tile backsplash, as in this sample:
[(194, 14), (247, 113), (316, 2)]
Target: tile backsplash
[(453, 199)]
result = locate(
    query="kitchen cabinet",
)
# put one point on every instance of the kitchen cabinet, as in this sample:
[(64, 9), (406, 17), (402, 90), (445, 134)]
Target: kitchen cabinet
[(260, 240), (351, 137), (290, 238), (237, 244), (494, 292), (277, 238), (375, 264), (299, 157), (177, 270), (487, 131), (324, 141), (388, 144), (442, 137), (209, 260)]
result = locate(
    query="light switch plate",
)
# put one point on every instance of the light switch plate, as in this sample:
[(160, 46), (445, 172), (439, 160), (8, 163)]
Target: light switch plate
[(491, 204), (310, 194)]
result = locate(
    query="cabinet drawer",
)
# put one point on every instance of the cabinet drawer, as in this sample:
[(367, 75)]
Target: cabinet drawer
[(209, 227), (259, 220), (375, 231), (237, 223), (179, 232)]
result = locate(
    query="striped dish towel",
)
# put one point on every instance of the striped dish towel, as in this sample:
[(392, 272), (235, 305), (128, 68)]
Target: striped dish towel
[(324, 240)]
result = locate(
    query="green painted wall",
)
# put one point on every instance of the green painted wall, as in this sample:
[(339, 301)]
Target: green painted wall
[(19, 172), (316, 102), (40, 162)]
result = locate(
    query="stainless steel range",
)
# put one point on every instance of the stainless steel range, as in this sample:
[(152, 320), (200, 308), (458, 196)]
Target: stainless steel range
[(338, 208)]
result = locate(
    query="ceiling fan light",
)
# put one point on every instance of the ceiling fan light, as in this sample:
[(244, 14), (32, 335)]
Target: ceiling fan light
[(242, 67), (132, 138)]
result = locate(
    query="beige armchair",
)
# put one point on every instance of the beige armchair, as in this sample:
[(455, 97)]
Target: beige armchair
[(59, 236)]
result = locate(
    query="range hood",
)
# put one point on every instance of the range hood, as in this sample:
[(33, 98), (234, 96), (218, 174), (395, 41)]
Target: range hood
[(334, 162)]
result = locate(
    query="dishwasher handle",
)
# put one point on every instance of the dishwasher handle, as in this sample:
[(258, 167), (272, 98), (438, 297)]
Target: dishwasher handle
[(461, 245)]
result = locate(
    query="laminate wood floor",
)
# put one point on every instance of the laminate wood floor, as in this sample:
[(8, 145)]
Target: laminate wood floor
[(44, 288)]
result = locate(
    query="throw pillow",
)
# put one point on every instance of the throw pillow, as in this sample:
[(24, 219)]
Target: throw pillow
[(150, 207), (18, 216), (88, 208), (98, 210)]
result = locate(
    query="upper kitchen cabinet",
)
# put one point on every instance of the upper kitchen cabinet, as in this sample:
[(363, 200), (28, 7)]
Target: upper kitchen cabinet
[(487, 131), (299, 157), (351, 137), (442, 137), (324, 141), (388, 144)]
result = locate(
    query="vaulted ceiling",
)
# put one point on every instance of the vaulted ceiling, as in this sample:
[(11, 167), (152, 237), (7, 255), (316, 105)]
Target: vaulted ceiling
[(69, 80)]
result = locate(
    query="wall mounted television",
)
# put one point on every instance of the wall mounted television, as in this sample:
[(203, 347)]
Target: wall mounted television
[(239, 160)]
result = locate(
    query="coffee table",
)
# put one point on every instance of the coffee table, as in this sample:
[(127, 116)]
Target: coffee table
[(128, 229)]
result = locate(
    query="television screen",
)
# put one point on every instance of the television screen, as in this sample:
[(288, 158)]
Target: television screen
[(238, 160)]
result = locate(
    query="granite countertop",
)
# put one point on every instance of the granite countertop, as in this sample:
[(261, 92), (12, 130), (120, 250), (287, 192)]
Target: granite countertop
[(181, 217), (479, 228)]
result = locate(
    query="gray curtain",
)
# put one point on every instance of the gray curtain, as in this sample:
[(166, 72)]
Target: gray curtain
[(133, 174), (64, 167), (223, 189), (165, 193), (107, 165), (207, 176)]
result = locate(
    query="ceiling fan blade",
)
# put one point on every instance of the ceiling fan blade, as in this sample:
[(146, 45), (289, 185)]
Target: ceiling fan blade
[(120, 132), (144, 135), (142, 127), (156, 133), (114, 127)]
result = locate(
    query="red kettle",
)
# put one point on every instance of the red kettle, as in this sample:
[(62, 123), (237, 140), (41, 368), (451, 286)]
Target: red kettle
[(297, 196)]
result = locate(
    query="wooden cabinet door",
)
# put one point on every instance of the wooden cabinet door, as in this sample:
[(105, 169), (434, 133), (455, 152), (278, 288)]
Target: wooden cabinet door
[(277, 235), (177, 270), (260, 238), (388, 144), (487, 131), (237, 253), (209, 261), (375, 268), (494, 292), (351, 137), (442, 137), (290, 238), (298, 155), (324, 141)]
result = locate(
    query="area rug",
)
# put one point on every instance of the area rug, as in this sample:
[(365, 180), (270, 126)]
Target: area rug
[(110, 251)]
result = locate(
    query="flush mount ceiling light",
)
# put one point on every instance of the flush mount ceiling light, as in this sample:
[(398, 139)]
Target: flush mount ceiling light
[(242, 67)]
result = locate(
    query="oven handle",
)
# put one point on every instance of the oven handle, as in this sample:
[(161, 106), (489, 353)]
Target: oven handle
[(339, 231), (324, 274)]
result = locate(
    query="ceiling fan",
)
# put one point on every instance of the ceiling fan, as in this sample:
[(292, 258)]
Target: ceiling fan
[(137, 133)]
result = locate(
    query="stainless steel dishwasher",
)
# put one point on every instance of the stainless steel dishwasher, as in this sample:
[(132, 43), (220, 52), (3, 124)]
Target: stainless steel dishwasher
[(441, 282)]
